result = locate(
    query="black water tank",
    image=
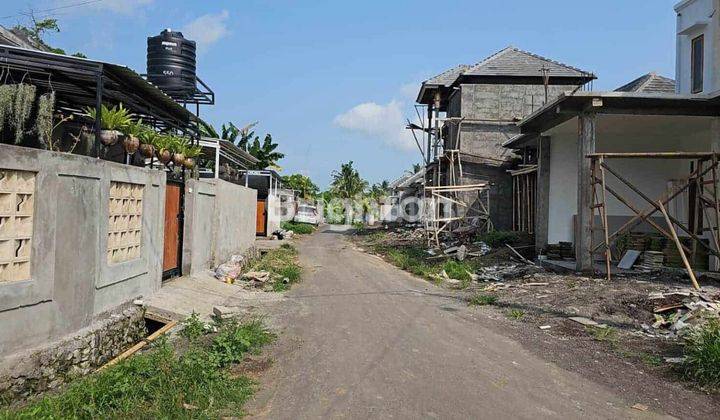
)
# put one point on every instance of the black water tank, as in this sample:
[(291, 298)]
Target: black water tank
[(171, 63)]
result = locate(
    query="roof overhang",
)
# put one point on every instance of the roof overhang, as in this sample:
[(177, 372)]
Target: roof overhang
[(521, 80), (568, 106)]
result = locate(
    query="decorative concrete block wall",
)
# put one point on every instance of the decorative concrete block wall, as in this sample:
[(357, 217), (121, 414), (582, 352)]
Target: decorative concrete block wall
[(17, 197), (56, 217), (219, 222)]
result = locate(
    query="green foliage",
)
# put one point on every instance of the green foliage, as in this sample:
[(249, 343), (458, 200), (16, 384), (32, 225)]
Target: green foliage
[(44, 119), (411, 259), (603, 333), (457, 270), (516, 314), (702, 355), (281, 263), (193, 327), (347, 183), (265, 152), (115, 118), (193, 151), (235, 340), (301, 183), (298, 228), (482, 300), (134, 128), (161, 383)]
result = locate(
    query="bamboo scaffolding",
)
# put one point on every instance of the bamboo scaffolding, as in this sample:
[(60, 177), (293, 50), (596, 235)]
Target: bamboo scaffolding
[(705, 163)]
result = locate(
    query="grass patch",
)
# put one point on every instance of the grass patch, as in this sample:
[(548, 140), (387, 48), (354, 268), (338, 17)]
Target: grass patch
[(458, 270), (193, 328), (702, 355), (282, 263), (161, 383), (516, 314), (603, 334), (482, 300), (299, 228)]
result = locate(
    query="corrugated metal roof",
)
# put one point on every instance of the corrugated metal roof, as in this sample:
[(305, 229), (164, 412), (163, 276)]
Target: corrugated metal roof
[(649, 83), (514, 62)]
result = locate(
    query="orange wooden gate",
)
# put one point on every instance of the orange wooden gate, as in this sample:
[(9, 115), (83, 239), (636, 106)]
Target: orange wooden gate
[(173, 218), (261, 222)]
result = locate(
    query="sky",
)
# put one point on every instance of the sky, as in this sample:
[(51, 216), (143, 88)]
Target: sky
[(334, 81)]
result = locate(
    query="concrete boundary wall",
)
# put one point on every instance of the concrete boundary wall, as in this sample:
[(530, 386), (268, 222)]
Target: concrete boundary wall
[(70, 280), (219, 222)]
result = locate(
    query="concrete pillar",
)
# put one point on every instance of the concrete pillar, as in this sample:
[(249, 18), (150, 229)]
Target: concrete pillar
[(583, 233), (543, 193)]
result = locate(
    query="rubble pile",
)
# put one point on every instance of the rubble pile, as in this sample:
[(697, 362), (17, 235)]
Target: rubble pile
[(677, 312), (499, 273), (231, 273)]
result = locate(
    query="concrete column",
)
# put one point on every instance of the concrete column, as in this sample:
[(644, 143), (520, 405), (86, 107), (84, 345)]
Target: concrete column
[(583, 233), (543, 193)]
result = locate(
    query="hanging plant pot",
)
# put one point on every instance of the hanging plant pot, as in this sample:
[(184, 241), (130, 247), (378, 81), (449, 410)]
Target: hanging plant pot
[(109, 137), (131, 144), (178, 158), (189, 163), (147, 150), (165, 156)]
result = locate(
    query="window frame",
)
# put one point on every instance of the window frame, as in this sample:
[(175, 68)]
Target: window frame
[(700, 38)]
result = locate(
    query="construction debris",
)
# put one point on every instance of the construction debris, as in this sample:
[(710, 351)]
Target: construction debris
[(678, 311)]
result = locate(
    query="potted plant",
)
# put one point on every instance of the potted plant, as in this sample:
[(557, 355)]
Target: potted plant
[(179, 146), (132, 132), (148, 140), (112, 122), (163, 143), (190, 154)]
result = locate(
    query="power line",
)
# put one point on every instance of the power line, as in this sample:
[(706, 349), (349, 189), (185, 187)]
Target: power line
[(53, 9)]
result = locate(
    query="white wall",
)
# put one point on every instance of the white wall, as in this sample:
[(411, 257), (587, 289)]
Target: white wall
[(694, 18), (618, 133)]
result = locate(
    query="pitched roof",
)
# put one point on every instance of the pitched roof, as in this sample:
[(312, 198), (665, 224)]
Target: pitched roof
[(649, 83), (514, 62), (17, 38), (447, 77)]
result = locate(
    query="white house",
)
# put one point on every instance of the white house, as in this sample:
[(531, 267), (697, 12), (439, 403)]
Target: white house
[(653, 143), (698, 40)]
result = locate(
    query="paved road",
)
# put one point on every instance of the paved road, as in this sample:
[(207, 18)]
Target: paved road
[(365, 340)]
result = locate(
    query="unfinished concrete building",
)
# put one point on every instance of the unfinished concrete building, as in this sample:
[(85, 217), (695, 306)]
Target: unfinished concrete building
[(471, 111)]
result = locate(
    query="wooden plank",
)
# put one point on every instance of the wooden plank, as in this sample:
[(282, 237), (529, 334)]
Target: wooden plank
[(261, 218), (679, 246)]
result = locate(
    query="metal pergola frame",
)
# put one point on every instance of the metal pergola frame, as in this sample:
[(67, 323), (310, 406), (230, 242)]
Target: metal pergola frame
[(80, 83)]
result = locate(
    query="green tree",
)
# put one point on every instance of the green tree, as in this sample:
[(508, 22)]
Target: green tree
[(347, 183), (378, 191), (303, 184), (265, 152), (37, 30)]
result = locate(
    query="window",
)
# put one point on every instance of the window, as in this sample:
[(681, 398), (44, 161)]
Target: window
[(696, 64)]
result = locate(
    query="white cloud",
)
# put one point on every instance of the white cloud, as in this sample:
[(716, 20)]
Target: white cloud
[(207, 29), (385, 122)]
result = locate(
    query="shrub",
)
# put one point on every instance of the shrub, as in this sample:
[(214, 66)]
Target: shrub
[(702, 355), (298, 228), (516, 314), (235, 339)]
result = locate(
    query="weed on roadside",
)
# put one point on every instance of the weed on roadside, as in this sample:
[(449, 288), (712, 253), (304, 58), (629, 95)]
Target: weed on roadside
[(516, 314), (193, 328), (282, 263), (603, 333), (161, 383), (702, 355), (482, 300)]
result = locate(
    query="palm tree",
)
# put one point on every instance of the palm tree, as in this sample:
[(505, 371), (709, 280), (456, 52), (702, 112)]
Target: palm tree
[(347, 183)]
